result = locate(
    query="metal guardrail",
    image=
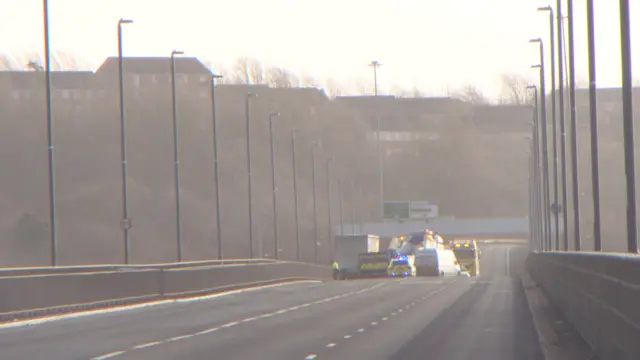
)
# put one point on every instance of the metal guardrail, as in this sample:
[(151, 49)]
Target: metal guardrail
[(35, 295), (599, 294)]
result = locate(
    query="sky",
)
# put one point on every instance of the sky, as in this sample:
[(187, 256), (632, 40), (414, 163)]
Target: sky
[(433, 45)]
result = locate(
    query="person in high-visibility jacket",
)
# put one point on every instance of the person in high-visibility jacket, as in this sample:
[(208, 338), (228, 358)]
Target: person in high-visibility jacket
[(335, 269)]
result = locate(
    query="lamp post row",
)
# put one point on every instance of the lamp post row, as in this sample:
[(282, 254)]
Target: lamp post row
[(126, 221), (541, 229)]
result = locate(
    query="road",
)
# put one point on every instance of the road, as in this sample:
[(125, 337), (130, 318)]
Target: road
[(453, 318)]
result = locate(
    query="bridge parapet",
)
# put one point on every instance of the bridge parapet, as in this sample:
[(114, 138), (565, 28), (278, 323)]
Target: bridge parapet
[(599, 293)]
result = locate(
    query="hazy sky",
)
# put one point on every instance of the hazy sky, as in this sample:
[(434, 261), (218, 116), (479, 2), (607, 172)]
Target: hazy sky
[(432, 44)]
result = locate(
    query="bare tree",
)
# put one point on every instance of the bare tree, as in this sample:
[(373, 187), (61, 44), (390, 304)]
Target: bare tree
[(248, 71), (361, 87), (281, 78), (416, 92), (400, 91), (469, 93), (308, 81), (7, 62), (514, 89), (64, 61), (333, 88)]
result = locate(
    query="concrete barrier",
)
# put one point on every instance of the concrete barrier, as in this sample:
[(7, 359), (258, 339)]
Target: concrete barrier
[(45, 270), (189, 281), (27, 296), (598, 293)]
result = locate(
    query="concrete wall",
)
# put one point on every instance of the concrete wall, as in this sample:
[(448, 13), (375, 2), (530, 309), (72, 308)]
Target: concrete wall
[(599, 294), (24, 296)]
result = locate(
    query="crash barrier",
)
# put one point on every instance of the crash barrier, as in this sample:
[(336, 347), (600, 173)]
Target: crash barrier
[(598, 293), (27, 296), (116, 267)]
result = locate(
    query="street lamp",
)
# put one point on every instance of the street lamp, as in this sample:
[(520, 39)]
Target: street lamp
[(295, 192), (315, 145), (175, 152), (248, 115), (375, 65), (554, 125), (536, 170), (627, 118), (545, 158), (273, 182), (329, 160), (49, 104), (126, 222), (593, 110), (341, 208), (574, 134), (216, 161), (563, 132), (545, 163)]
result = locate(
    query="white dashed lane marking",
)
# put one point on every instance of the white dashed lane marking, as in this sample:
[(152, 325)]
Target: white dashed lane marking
[(234, 323), (147, 345), (108, 356), (374, 323)]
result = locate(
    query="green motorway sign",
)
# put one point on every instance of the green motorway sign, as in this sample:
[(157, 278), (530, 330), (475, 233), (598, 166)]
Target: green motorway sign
[(396, 210)]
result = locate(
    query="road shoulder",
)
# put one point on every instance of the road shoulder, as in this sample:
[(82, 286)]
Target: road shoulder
[(558, 339)]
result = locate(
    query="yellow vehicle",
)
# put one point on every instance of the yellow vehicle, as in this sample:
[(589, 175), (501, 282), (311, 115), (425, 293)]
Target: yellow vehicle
[(468, 255)]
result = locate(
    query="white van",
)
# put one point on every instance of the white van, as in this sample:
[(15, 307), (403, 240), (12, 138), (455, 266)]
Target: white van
[(436, 262)]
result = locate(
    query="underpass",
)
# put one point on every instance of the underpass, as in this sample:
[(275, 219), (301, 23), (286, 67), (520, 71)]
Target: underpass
[(446, 318)]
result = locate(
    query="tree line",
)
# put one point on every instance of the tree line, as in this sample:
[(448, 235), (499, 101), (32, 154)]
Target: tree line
[(248, 70)]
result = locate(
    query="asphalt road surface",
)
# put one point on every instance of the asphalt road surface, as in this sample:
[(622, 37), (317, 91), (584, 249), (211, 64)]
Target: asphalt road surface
[(452, 318)]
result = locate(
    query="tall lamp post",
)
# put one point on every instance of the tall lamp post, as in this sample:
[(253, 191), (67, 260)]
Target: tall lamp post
[(176, 158), (593, 110), (375, 65), (273, 184), (545, 157), (216, 162), (295, 193), (555, 207), (52, 195), (536, 170), (250, 176), (315, 145), (627, 118), (330, 223), (126, 222), (574, 134), (341, 208), (563, 132)]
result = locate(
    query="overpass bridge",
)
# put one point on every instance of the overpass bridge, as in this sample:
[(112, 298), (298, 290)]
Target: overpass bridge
[(491, 228)]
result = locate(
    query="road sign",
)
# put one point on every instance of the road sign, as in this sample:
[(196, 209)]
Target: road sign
[(125, 224), (403, 210), (396, 210), (423, 210)]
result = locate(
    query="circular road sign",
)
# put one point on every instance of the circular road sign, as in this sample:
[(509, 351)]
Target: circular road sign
[(125, 224)]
